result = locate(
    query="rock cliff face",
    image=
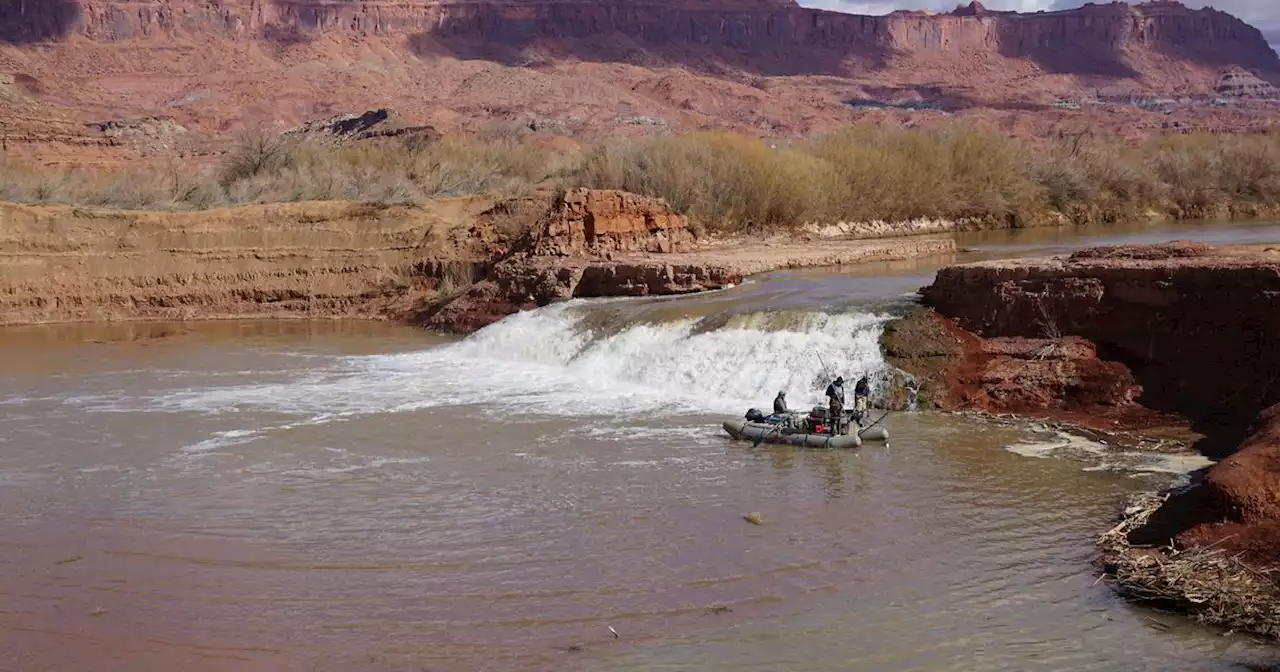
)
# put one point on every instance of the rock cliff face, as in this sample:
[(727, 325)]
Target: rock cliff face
[(594, 222), (1191, 321), (1193, 325), (591, 68), (1204, 34)]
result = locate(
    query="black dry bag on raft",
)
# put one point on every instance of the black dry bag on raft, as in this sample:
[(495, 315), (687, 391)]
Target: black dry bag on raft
[(754, 415)]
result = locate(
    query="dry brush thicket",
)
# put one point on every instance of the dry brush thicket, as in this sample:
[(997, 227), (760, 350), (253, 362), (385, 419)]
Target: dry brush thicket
[(723, 181)]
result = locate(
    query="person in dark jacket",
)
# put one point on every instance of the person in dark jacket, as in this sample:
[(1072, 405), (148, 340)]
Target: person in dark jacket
[(861, 398), (780, 404), (835, 405)]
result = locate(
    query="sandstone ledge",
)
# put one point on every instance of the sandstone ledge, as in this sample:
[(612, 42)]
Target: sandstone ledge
[(526, 282)]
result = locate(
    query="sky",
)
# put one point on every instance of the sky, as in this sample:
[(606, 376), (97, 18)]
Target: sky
[(1262, 14)]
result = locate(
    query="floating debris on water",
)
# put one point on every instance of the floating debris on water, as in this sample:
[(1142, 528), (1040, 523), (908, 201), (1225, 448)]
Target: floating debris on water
[(754, 518), (69, 560), (1207, 583)]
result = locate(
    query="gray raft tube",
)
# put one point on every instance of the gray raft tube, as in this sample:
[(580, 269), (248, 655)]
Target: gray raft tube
[(742, 430)]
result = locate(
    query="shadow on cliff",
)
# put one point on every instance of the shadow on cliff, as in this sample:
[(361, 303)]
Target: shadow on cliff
[(1062, 56), (769, 44), (1228, 41), (1221, 408), (1204, 37), (26, 22)]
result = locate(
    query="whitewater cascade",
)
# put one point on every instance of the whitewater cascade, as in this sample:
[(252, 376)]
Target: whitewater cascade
[(564, 360), (742, 360)]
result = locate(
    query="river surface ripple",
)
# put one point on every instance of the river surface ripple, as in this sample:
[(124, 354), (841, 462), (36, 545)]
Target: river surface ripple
[(337, 496)]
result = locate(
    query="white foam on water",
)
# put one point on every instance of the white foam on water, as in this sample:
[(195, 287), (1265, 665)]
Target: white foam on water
[(1106, 458), (1153, 463), (556, 361), (223, 439), (103, 468), (380, 462), (1059, 443), (547, 362), (624, 433)]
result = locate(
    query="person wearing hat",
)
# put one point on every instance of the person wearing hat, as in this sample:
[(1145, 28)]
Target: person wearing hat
[(780, 404)]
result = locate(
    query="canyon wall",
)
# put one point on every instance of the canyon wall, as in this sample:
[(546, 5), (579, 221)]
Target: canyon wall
[(1085, 39), (592, 69)]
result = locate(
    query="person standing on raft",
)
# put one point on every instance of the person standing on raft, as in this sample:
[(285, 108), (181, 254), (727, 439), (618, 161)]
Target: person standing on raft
[(861, 399), (835, 405)]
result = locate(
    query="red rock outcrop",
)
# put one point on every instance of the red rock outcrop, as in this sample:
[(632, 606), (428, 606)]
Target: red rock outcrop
[(597, 243), (1242, 497), (1061, 378), (1195, 324), (567, 256), (594, 222)]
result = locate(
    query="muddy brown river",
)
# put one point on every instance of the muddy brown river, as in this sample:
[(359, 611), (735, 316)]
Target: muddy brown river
[(349, 496)]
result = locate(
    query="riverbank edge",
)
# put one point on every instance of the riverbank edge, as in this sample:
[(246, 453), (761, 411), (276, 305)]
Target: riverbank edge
[(1212, 586), (450, 265), (1177, 548)]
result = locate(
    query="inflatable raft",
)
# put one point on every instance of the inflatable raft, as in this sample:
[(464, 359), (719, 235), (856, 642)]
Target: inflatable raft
[(767, 432)]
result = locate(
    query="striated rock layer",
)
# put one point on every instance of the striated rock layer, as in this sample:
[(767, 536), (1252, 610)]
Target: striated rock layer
[(60, 264), (452, 264), (1205, 34), (1183, 328), (587, 68)]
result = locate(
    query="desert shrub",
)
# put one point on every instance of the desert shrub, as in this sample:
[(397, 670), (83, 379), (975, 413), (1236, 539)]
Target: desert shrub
[(730, 182), (1095, 180), (387, 170), (949, 173), (723, 181), (1207, 175)]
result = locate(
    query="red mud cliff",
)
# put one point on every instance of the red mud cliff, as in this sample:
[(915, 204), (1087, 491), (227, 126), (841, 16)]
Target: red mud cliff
[(1198, 326)]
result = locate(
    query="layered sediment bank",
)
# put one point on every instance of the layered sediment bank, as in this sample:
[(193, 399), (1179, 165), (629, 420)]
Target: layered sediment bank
[(1133, 337), (449, 264)]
